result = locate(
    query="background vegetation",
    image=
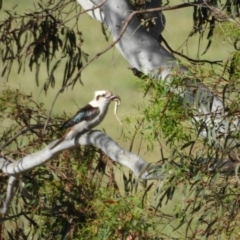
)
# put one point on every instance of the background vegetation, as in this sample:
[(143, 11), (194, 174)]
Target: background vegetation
[(81, 194)]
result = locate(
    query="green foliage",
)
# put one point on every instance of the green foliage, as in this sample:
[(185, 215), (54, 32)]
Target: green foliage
[(166, 113), (44, 36), (118, 218), (26, 119), (198, 197), (230, 30), (198, 186)]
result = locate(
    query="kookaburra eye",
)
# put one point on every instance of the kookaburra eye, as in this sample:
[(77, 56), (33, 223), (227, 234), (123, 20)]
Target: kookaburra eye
[(103, 95)]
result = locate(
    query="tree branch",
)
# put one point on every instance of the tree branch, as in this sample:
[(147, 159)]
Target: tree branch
[(10, 193), (139, 167), (101, 140)]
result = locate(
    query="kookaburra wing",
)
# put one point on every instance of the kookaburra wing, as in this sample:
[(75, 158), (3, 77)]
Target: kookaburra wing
[(89, 116), (86, 113)]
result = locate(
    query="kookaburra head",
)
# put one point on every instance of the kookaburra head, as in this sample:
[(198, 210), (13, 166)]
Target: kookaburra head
[(103, 98)]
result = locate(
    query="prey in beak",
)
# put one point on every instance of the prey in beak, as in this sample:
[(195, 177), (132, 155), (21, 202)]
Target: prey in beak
[(117, 101)]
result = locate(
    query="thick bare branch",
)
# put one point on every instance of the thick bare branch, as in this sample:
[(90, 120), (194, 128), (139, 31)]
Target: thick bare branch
[(101, 140), (139, 167)]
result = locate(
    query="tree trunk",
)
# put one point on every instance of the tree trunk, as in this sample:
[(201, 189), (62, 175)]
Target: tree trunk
[(142, 50)]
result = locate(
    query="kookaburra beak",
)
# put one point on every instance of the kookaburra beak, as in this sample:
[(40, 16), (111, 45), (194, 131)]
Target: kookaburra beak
[(117, 99)]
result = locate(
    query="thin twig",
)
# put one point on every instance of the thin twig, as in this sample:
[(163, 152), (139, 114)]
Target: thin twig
[(23, 131), (218, 62)]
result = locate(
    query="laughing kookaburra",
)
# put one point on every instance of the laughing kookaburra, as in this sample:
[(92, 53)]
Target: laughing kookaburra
[(89, 116)]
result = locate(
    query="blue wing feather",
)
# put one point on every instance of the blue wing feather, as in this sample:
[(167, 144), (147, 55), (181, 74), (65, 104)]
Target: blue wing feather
[(86, 113)]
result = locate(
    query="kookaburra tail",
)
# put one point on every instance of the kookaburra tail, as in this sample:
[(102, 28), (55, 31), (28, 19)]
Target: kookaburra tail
[(89, 116)]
